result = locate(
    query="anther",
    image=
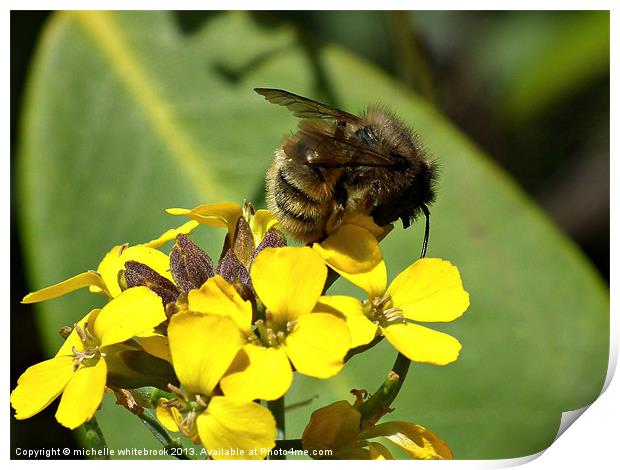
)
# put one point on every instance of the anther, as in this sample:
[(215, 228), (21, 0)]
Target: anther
[(80, 333), (394, 315), (200, 401), (177, 391)]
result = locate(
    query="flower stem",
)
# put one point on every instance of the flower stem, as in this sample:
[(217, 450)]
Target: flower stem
[(95, 439), (289, 444), (379, 402), (277, 410), (365, 347), (400, 367), (162, 435)]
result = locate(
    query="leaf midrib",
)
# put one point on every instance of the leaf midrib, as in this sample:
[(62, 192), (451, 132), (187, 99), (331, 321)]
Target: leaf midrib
[(115, 48)]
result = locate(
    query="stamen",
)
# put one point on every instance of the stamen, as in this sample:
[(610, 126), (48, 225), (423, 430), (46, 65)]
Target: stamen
[(177, 391), (253, 339), (80, 356), (186, 424), (394, 315), (80, 332), (87, 333), (378, 303), (269, 336), (200, 401)]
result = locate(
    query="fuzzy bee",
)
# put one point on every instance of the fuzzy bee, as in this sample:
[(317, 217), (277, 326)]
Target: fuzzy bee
[(338, 162)]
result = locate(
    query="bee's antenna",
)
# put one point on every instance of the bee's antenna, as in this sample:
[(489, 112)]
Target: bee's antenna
[(427, 229)]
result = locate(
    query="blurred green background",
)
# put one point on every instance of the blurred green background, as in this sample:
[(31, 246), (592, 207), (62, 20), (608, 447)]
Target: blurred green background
[(116, 116)]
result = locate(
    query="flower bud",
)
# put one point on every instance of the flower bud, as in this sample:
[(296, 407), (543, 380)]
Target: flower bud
[(130, 368), (243, 244), (273, 239), (189, 265), (231, 269), (137, 274)]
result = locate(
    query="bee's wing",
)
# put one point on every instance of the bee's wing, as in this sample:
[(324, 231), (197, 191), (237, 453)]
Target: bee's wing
[(329, 150), (304, 108)]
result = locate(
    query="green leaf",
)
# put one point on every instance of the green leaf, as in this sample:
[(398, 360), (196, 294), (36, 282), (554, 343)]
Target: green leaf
[(532, 60), (130, 113)]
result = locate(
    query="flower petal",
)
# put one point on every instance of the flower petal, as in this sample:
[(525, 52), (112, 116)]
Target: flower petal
[(245, 428), (218, 297), (288, 280), (39, 385), (414, 439), (171, 234), (422, 344), (82, 396), (362, 220), (202, 347), (332, 427), (258, 373), (87, 279), (168, 416), (351, 249), (260, 223), (115, 260), (221, 214), (379, 452), (430, 290), (362, 330), (372, 282), (137, 310), (156, 345), (317, 345)]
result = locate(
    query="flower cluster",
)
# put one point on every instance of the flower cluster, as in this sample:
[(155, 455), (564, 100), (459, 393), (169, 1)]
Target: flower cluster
[(215, 338)]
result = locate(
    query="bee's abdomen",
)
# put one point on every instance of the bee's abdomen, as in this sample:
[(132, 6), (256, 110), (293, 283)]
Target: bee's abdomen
[(295, 202)]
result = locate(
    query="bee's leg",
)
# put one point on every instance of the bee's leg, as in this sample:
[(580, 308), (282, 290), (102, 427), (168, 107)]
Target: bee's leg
[(341, 196), (427, 229)]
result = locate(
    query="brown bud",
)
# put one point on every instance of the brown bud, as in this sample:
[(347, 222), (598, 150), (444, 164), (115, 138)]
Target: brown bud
[(138, 274), (243, 244), (231, 269), (273, 239), (189, 265)]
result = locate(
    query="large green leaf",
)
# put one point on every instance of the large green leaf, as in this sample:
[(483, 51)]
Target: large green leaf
[(130, 113), (531, 60)]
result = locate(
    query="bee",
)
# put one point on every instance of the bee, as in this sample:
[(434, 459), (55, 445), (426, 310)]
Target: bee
[(338, 162)]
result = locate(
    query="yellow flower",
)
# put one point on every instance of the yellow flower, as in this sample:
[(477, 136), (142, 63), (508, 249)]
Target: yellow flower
[(227, 214), (430, 290), (288, 281), (203, 347), (337, 427), (353, 247), (105, 279), (79, 369)]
